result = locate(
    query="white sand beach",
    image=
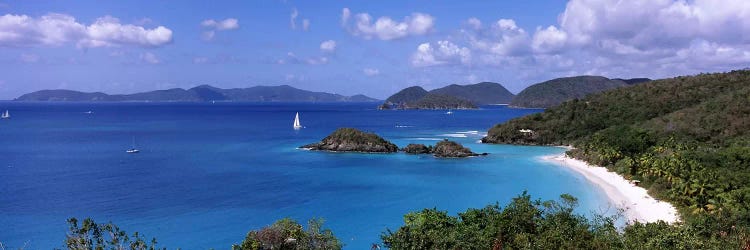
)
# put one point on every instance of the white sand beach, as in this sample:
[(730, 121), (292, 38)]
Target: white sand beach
[(637, 203)]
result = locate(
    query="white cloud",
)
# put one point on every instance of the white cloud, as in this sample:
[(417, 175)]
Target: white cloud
[(293, 18), (503, 38), (306, 24), (212, 26), (328, 46), (474, 23), (550, 39), (345, 15), (291, 58), (662, 23), (442, 53), (60, 29), (371, 72), (385, 28), (150, 58), (226, 24)]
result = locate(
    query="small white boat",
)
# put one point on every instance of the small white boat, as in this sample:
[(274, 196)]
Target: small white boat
[(449, 112), (297, 125), (89, 112), (132, 150), (5, 115)]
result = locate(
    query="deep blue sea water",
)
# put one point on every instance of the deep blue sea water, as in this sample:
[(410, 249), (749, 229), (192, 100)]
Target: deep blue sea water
[(209, 173)]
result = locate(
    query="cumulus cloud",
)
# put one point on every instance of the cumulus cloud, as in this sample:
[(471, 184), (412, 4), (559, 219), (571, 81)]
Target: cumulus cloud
[(60, 29), (385, 28), (550, 39), (371, 72), (212, 26), (441, 53), (328, 46), (150, 58), (652, 24), (660, 38), (503, 37)]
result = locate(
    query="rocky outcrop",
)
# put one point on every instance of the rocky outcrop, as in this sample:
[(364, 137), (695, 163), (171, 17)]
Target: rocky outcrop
[(353, 140), (417, 149), (451, 149)]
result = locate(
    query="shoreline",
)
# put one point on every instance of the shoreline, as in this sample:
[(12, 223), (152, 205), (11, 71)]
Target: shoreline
[(637, 204)]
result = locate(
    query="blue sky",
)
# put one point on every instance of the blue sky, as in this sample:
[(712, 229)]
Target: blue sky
[(369, 47)]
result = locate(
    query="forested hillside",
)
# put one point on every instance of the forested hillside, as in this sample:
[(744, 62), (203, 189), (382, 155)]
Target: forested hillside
[(685, 138)]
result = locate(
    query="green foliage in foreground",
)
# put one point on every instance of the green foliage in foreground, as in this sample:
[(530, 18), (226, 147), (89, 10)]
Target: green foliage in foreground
[(535, 224), (284, 234), (524, 223), (287, 234), (92, 236)]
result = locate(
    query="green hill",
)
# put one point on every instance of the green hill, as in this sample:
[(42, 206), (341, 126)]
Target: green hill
[(448, 97), (685, 138), (480, 94), (556, 91), (410, 94)]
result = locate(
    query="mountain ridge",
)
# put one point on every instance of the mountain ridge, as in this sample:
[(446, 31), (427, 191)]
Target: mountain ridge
[(200, 93), (452, 96), (553, 92)]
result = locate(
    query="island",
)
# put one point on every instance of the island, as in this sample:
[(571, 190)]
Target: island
[(416, 149), (353, 140), (443, 149), (449, 97), (202, 93)]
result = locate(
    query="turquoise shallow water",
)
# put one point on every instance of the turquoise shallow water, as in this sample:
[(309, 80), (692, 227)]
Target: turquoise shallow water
[(208, 173)]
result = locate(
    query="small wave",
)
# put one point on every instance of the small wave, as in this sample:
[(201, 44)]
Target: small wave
[(404, 126), (455, 135), (470, 132)]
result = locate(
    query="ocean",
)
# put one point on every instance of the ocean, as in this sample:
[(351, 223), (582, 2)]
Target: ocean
[(208, 173)]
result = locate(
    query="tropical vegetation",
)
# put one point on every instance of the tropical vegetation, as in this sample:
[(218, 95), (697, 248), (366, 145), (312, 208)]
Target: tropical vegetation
[(686, 139)]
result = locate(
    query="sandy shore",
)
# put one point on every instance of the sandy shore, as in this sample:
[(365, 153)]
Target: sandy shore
[(636, 202)]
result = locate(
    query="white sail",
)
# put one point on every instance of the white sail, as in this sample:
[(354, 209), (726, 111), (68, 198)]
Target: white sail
[(296, 121), (6, 114)]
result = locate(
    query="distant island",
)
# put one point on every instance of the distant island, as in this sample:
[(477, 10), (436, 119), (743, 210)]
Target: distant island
[(202, 93), (449, 97), (553, 92)]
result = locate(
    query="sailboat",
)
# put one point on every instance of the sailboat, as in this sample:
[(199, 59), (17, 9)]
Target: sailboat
[(450, 112), (296, 122), (5, 115), (132, 150)]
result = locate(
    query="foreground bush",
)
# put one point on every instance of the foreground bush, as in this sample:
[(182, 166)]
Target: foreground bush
[(288, 234)]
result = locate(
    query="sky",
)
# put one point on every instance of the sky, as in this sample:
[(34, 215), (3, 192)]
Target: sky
[(360, 47)]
